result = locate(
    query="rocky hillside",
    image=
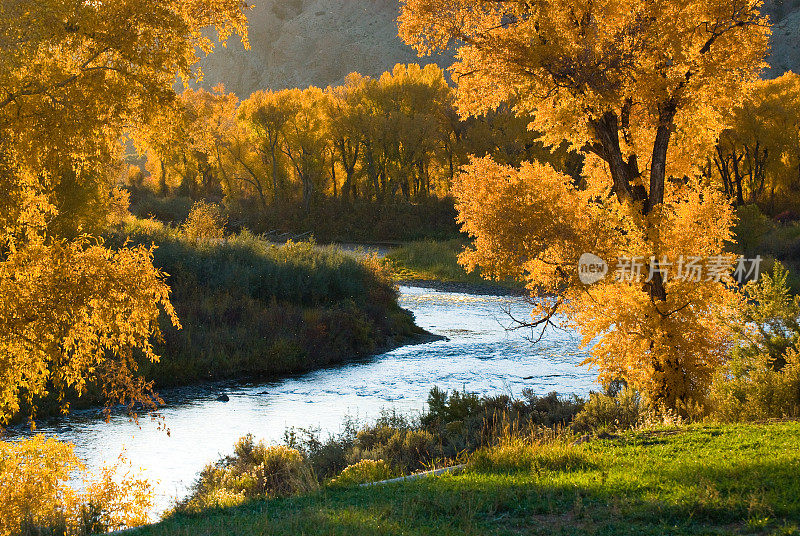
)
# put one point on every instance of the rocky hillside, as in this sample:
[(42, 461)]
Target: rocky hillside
[(785, 36), (297, 43)]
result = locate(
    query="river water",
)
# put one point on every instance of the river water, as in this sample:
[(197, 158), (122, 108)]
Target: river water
[(479, 355)]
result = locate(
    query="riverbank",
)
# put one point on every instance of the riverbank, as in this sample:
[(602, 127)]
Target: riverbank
[(434, 264), (254, 310), (700, 479)]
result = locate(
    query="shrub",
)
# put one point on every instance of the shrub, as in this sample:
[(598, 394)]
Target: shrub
[(750, 228), (171, 209), (254, 470), (769, 322), (335, 220), (611, 412), (762, 378), (464, 421), (751, 389), (362, 472), (205, 222), (36, 496)]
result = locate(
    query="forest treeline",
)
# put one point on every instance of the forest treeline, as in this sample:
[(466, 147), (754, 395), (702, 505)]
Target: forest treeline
[(300, 158), (374, 158)]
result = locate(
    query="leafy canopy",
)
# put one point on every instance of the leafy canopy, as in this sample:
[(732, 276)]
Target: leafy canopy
[(642, 88), (73, 75)]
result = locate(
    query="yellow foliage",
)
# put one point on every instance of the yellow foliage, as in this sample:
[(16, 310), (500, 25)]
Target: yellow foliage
[(567, 62), (758, 157), (188, 142), (642, 88), (73, 75), (74, 312), (205, 222), (533, 224), (36, 494)]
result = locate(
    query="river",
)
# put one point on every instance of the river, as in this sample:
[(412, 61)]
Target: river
[(479, 355)]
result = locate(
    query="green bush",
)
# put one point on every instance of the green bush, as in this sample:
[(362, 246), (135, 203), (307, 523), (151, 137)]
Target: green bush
[(762, 378), (611, 412), (363, 472), (171, 209), (453, 425), (465, 421), (750, 389), (254, 470), (750, 228), (404, 450)]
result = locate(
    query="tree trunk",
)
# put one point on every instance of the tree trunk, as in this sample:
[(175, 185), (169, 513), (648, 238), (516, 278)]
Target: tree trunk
[(658, 166)]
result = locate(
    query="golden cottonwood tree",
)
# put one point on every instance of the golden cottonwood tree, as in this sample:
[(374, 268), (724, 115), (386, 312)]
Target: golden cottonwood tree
[(73, 75), (265, 115), (347, 121), (642, 88), (757, 159), (187, 142), (305, 139)]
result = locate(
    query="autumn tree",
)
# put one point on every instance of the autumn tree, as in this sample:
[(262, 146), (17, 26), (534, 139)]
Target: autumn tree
[(412, 99), (186, 142), (73, 76), (347, 118), (265, 114), (642, 89), (757, 159), (305, 139)]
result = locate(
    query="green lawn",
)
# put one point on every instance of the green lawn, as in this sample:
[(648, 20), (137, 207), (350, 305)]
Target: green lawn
[(704, 479)]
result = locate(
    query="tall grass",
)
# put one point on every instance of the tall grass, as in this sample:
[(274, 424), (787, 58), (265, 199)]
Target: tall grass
[(250, 308)]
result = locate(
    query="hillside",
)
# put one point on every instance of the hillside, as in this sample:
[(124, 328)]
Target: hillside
[(786, 44), (297, 43)]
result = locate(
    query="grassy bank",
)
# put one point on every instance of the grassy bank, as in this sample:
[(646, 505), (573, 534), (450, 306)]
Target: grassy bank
[(250, 309), (437, 261), (701, 479), (253, 309)]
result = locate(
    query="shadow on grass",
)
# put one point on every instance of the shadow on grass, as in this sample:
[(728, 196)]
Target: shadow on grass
[(754, 497)]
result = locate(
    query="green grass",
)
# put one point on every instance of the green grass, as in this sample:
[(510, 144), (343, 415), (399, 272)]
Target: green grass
[(703, 479), (431, 260)]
